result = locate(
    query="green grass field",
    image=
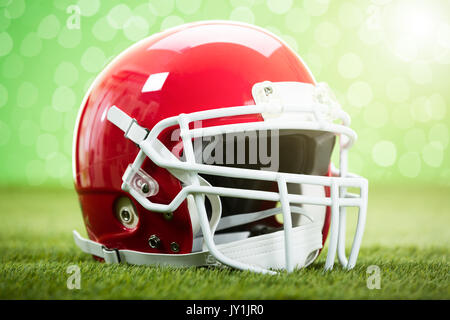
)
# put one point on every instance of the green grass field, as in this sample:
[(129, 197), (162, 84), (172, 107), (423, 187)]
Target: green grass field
[(407, 236)]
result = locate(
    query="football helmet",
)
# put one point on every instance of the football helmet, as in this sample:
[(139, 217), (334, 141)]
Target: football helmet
[(210, 144)]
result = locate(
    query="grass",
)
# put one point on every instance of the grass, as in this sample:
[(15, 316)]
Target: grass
[(407, 236)]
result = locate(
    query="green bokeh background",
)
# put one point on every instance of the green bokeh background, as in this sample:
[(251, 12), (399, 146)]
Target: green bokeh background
[(388, 62)]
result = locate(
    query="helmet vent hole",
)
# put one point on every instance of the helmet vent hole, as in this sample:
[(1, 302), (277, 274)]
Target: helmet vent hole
[(126, 212)]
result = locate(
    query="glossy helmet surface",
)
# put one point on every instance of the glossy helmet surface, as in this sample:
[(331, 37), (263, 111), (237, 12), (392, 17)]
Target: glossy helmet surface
[(136, 197)]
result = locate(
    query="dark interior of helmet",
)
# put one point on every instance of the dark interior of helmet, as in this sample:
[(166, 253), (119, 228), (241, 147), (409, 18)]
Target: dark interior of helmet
[(291, 151)]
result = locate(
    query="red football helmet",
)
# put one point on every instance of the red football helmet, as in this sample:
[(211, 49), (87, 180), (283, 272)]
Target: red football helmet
[(191, 144)]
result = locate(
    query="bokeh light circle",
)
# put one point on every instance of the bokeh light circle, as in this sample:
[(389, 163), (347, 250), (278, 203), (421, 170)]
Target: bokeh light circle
[(437, 106), (63, 99), (88, 7), (4, 3), (103, 31), (296, 20), (439, 133), (242, 14), (93, 59), (350, 65), (69, 38), (66, 74), (135, 28), (421, 109), (433, 154), (118, 16), (4, 21), (359, 94), (147, 12), (162, 8), (384, 153), (367, 138), (49, 27), (15, 9), (57, 165)]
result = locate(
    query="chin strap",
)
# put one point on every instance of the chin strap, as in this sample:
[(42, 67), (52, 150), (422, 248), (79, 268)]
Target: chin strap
[(265, 251)]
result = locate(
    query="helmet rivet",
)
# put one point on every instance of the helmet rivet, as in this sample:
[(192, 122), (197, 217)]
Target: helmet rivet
[(154, 242), (268, 90), (174, 246), (145, 188), (168, 215), (125, 215)]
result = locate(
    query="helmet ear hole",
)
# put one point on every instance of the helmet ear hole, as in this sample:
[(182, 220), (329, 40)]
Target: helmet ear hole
[(126, 213)]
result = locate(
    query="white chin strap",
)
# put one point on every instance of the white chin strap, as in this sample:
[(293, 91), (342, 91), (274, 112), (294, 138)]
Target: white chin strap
[(265, 251)]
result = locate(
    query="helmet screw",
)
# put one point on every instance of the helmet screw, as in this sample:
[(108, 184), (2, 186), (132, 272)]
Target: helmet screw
[(145, 188), (268, 90), (168, 215), (154, 242), (175, 247), (125, 215)]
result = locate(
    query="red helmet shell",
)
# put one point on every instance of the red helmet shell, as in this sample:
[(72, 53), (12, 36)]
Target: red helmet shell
[(210, 65)]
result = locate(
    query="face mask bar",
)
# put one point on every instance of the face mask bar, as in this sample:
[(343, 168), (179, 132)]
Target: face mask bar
[(189, 170)]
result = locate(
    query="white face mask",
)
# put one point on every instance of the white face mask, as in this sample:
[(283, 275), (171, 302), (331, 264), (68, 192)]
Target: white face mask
[(284, 106)]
